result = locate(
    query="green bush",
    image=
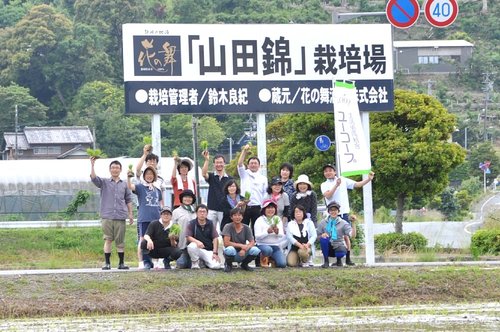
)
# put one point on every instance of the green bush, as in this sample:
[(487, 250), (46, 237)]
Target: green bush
[(400, 242), (486, 241)]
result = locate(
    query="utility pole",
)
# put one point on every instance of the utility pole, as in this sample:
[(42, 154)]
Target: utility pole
[(429, 87), (488, 87), (15, 129), (195, 156)]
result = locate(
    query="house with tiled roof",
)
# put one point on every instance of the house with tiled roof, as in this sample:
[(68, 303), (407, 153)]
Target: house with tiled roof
[(47, 143)]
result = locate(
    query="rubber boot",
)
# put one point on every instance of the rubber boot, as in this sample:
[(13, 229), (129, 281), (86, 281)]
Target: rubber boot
[(339, 261), (246, 261), (348, 259), (228, 263), (326, 262)]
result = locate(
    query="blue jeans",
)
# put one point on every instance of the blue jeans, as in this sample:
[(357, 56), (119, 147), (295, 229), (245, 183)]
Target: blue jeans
[(274, 252), (328, 251), (232, 252)]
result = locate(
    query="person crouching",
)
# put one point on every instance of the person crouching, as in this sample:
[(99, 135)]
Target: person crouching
[(331, 232), (238, 242)]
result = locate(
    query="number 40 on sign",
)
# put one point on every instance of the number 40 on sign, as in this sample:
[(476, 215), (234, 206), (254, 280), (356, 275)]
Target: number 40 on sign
[(441, 13)]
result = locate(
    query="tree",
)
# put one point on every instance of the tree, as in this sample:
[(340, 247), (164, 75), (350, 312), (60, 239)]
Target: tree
[(410, 150), (108, 17), (30, 111), (291, 139), (177, 133), (27, 55), (483, 152), (100, 106)]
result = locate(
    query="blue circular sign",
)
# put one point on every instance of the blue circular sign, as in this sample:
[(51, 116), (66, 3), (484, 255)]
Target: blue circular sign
[(402, 13), (322, 143)]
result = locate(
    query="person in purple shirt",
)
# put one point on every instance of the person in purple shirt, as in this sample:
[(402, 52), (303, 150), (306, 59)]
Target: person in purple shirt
[(116, 203)]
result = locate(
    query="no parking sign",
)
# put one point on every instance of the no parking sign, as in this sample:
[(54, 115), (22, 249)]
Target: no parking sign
[(441, 13)]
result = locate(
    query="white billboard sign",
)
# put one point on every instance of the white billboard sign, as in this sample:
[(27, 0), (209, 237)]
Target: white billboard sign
[(243, 68)]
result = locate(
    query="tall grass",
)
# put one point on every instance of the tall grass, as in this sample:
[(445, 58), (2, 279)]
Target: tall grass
[(51, 248)]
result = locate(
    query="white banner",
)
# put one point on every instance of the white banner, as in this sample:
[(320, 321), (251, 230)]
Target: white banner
[(351, 145)]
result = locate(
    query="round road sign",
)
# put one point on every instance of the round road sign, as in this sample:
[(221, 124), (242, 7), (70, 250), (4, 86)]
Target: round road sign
[(441, 13), (322, 143), (402, 13)]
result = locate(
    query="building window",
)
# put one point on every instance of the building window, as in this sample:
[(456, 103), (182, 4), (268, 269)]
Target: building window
[(54, 150), (40, 150), (434, 59), (424, 60)]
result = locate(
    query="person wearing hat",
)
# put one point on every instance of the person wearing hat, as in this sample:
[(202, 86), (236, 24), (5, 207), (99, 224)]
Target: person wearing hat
[(158, 243), (150, 200), (301, 236), (182, 216), (270, 236), (306, 197), (331, 232), (276, 193), (180, 179), (334, 189), (216, 181)]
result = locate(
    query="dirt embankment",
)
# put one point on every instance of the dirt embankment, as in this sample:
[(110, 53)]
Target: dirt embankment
[(162, 291)]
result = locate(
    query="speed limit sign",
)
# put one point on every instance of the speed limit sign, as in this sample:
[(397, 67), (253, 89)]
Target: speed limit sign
[(441, 13)]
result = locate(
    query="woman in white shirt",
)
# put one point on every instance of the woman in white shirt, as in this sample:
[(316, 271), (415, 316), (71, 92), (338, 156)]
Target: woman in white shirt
[(270, 236), (301, 235)]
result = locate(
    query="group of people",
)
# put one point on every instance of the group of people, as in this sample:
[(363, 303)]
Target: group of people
[(272, 224)]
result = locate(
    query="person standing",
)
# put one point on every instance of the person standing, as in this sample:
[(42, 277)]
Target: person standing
[(150, 202), (216, 181), (232, 199), (116, 203), (306, 197), (277, 194), (239, 244), (334, 189), (253, 182), (286, 174), (203, 240), (180, 179)]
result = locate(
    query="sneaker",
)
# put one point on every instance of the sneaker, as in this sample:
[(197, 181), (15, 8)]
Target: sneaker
[(325, 265), (350, 263), (147, 266), (309, 262), (106, 267), (122, 267), (195, 264)]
